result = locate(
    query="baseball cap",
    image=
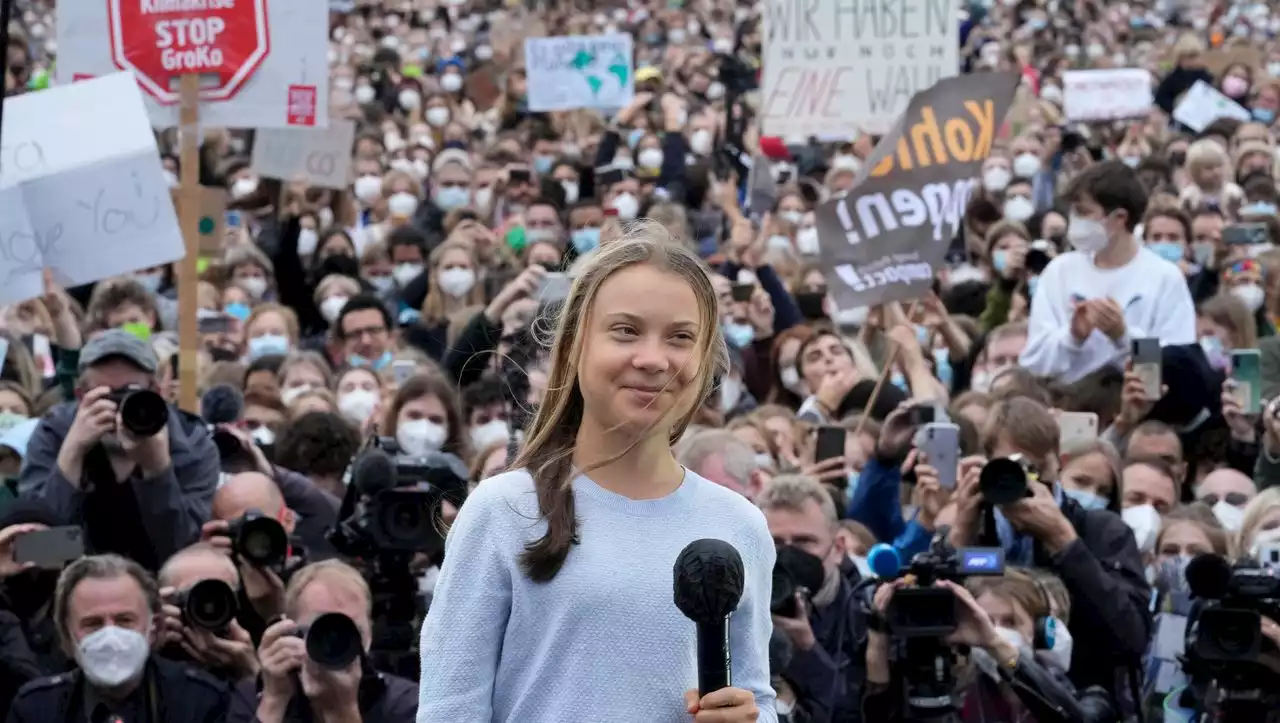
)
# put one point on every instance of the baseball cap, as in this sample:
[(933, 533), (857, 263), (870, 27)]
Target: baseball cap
[(118, 343)]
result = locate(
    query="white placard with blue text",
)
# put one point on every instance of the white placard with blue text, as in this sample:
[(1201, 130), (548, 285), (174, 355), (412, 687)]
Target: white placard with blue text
[(836, 69), (81, 192), (586, 71)]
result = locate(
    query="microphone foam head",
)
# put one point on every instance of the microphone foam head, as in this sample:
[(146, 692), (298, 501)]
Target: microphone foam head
[(1209, 577), (373, 472), (884, 560), (708, 580), (221, 404)]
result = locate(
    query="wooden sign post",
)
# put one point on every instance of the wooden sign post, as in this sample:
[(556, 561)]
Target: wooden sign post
[(188, 332)]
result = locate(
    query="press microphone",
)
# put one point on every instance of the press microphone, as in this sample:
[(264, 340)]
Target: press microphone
[(222, 404), (1209, 576), (708, 587), (884, 561), (373, 471)]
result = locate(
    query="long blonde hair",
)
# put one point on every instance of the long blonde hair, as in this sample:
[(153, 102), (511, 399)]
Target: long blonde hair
[(434, 304), (548, 451)]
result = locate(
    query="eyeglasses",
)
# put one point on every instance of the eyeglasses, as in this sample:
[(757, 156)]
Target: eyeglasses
[(373, 331), (1235, 499)]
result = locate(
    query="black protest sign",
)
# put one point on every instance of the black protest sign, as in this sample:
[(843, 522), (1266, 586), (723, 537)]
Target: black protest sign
[(887, 238)]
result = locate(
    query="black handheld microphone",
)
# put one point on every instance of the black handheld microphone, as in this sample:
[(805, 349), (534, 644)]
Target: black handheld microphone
[(373, 471), (708, 586)]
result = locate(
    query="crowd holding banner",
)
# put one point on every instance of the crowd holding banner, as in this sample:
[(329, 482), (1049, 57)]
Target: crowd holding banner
[(955, 249)]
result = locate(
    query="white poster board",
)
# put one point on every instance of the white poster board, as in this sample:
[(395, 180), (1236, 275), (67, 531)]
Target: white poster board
[(1103, 95), (1204, 104), (832, 69), (321, 156), (81, 191), (589, 71), (299, 58)]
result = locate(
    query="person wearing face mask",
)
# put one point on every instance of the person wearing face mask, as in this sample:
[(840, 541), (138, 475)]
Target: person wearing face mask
[(363, 330), (1147, 490), (821, 620), (1092, 550), (1246, 281), (424, 417), (1091, 302), (106, 607), (1188, 70), (485, 411)]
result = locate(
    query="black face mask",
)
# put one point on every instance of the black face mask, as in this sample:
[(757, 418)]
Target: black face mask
[(805, 570)]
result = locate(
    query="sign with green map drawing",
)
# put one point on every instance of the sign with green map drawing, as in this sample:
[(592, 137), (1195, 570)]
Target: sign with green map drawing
[(585, 71)]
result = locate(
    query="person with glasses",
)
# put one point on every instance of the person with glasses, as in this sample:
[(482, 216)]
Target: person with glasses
[(363, 332)]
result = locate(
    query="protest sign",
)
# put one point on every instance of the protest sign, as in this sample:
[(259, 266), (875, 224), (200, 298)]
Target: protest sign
[(1103, 95), (270, 68), (886, 239), (83, 193), (321, 156), (1204, 104), (837, 69), (567, 73)]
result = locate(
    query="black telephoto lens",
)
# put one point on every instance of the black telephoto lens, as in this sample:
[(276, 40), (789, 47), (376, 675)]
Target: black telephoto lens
[(143, 412), (1002, 482), (333, 641), (210, 605), (228, 444), (260, 539)]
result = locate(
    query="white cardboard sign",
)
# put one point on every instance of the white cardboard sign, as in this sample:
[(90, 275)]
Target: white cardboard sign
[(320, 155)]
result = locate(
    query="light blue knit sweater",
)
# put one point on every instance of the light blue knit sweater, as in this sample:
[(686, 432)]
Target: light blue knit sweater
[(603, 641)]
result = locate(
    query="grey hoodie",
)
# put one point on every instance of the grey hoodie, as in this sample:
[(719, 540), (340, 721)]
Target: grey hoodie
[(171, 508)]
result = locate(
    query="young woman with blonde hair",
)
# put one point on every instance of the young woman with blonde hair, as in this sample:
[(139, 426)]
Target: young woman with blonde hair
[(532, 619)]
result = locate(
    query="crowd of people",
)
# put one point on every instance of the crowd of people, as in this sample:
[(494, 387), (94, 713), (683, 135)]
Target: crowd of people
[(504, 292)]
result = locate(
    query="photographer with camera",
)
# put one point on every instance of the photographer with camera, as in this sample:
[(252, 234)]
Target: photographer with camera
[(813, 601), (197, 622), (314, 660), (1014, 502), (135, 472)]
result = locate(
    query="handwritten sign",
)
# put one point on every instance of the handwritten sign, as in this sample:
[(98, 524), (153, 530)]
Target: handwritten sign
[(833, 68), (568, 73), (1204, 104), (83, 193), (320, 155), (1103, 95)]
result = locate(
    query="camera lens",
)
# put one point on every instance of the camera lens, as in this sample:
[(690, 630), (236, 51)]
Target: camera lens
[(405, 519), (333, 641), (210, 605), (262, 541), (783, 600), (228, 444), (1003, 481), (144, 413)]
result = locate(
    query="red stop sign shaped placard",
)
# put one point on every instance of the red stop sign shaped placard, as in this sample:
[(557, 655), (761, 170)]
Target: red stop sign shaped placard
[(160, 40)]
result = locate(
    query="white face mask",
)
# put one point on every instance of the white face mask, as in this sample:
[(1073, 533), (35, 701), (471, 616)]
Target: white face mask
[(410, 99), (483, 52), (1019, 208), (1145, 523), (243, 187), (807, 241), (1086, 234), (715, 90), (420, 436), (627, 206), (1026, 165), (406, 272), (357, 404), (650, 158), (792, 382), (112, 656), (263, 436), (456, 282), (1251, 295), (402, 205), (700, 142), (730, 394), (255, 285), (1229, 515), (289, 395), (451, 83), (437, 116), (365, 94), (570, 191), (308, 239), (1012, 637), (331, 307), (490, 433), (996, 179), (1063, 645), (325, 217), (368, 189)]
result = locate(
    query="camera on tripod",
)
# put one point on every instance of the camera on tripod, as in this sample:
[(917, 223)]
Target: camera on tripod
[(1229, 626), (259, 539), (143, 412), (399, 501), (208, 605), (925, 610)]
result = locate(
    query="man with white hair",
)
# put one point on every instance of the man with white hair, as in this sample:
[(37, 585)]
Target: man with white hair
[(721, 457)]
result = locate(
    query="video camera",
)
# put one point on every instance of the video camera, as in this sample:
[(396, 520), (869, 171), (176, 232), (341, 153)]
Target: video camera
[(143, 412), (924, 610), (399, 501), (208, 605)]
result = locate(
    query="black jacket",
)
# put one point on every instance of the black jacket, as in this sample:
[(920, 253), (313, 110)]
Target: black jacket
[(1110, 598), (182, 695), (828, 678), (18, 664), (383, 699)]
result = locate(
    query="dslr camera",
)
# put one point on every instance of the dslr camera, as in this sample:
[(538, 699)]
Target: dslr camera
[(924, 610), (208, 605), (1004, 480), (333, 641), (794, 571), (143, 412), (259, 539)]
